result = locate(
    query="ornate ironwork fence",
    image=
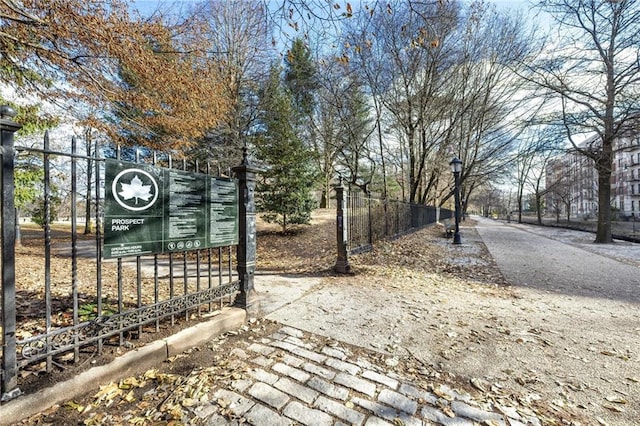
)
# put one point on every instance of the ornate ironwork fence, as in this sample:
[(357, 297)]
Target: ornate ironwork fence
[(363, 220), (61, 297)]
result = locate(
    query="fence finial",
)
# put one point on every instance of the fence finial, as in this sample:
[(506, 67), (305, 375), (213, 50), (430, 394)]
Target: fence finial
[(246, 160), (245, 154), (6, 112)]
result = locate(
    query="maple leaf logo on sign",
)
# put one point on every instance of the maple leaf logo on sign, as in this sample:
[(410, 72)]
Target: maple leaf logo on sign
[(138, 189)]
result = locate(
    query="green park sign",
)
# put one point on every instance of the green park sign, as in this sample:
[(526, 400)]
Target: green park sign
[(151, 209)]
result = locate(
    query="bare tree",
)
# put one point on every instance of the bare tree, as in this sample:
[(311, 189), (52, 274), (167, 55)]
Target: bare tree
[(561, 198), (593, 70), (536, 149), (488, 199), (488, 105), (239, 36), (535, 180), (326, 128), (342, 126), (403, 54), (441, 74)]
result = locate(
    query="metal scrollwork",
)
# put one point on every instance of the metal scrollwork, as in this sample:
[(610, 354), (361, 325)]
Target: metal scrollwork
[(66, 339)]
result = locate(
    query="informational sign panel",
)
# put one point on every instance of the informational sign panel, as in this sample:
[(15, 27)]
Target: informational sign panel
[(151, 210)]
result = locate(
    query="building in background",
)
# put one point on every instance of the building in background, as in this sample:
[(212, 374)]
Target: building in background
[(572, 183), (572, 187), (625, 179)]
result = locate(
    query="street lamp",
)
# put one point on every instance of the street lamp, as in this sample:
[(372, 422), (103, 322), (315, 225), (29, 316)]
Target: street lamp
[(456, 168)]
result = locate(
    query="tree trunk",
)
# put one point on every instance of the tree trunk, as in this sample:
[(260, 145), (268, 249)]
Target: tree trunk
[(325, 200), (384, 167), (414, 179), (520, 209), (603, 233), (539, 209)]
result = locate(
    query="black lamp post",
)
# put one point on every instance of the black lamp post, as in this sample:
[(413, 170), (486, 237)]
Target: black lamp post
[(456, 168)]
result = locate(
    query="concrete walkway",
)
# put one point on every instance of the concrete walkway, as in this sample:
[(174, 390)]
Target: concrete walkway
[(563, 261)]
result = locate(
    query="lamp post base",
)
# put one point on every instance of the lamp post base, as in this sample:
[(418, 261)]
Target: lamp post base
[(457, 239)]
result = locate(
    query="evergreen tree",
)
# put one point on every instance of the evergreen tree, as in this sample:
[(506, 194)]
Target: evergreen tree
[(284, 190), (300, 78)]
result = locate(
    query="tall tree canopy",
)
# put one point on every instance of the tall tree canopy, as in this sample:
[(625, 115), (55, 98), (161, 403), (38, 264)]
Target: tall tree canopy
[(440, 80)]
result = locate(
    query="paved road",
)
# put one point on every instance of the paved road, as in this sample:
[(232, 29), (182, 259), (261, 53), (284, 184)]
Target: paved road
[(562, 261)]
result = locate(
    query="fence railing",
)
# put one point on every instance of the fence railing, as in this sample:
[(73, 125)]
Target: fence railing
[(363, 220), (372, 219), (62, 298)]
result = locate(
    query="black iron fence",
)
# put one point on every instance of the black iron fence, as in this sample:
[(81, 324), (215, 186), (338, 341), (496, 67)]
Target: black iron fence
[(372, 219), (61, 297), (363, 220)]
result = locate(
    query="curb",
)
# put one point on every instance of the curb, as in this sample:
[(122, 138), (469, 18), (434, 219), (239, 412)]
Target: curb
[(133, 362)]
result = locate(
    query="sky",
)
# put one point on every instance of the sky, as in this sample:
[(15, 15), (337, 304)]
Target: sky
[(510, 3), (147, 6)]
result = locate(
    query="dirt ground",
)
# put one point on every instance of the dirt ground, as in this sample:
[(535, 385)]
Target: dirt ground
[(444, 313)]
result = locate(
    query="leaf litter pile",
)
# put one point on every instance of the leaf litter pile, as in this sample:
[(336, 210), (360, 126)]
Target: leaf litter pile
[(472, 332)]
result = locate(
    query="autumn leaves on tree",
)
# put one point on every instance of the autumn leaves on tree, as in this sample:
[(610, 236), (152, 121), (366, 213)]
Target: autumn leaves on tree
[(149, 83), (144, 82)]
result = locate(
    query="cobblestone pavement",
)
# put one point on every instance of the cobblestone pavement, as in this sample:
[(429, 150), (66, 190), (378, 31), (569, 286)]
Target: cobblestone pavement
[(292, 380)]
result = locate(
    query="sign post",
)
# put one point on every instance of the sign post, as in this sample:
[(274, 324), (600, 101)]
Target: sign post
[(246, 174)]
